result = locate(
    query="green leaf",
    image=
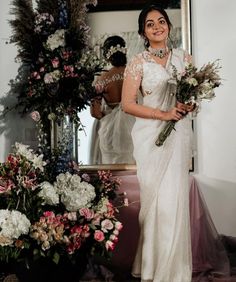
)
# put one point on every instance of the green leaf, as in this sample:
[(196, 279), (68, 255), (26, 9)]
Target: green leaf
[(56, 258)]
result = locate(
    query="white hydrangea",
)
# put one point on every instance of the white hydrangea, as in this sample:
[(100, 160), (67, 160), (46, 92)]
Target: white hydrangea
[(13, 224), (49, 193), (56, 40), (75, 194)]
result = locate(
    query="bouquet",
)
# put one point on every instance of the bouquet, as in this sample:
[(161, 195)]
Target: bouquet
[(191, 87)]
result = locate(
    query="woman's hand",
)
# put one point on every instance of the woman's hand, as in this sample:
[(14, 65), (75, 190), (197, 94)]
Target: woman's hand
[(186, 107), (173, 114)]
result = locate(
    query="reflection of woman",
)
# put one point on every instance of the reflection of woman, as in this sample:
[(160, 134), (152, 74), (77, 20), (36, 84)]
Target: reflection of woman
[(115, 143), (164, 251)]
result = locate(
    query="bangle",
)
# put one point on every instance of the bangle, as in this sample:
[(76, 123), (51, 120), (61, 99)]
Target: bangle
[(153, 114)]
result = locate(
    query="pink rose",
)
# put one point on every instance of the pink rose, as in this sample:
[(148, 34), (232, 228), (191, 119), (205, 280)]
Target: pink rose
[(116, 232), (106, 224), (55, 62), (114, 238), (118, 225), (110, 245), (99, 235), (35, 116), (87, 213), (96, 220)]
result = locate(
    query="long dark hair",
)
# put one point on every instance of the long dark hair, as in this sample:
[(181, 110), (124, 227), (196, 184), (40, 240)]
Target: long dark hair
[(118, 59), (143, 15)]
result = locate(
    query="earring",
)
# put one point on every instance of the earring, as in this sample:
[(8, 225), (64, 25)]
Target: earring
[(169, 42), (146, 42)]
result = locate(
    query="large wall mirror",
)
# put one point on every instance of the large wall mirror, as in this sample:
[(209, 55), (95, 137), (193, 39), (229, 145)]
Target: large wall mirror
[(116, 17)]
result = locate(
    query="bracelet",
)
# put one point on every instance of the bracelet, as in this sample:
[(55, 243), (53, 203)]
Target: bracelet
[(153, 114)]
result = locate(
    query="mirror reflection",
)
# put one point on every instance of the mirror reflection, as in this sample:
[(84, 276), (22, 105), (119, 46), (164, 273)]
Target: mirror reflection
[(111, 141), (107, 139)]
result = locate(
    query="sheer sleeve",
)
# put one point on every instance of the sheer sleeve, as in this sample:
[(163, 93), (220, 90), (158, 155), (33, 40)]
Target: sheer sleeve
[(131, 85)]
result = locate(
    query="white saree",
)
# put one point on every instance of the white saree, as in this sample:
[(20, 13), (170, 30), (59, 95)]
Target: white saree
[(164, 250)]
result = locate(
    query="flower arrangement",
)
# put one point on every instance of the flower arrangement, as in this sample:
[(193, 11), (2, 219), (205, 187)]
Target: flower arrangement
[(40, 218), (57, 65), (192, 87)]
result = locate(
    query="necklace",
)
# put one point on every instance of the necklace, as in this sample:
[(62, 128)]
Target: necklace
[(161, 53)]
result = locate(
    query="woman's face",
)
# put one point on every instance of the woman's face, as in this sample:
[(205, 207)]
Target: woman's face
[(156, 29)]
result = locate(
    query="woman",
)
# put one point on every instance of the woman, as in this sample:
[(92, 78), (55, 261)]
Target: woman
[(164, 250), (115, 143)]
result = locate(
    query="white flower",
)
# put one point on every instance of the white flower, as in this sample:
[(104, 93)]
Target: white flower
[(192, 81), (38, 162), (52, 77), (74, 193), (102, 205), (106, 224), (13, 224), (49, 193), (24, 150), (56, 40)]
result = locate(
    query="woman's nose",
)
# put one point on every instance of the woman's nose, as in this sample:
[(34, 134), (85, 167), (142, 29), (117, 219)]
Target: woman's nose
[(155, 26)]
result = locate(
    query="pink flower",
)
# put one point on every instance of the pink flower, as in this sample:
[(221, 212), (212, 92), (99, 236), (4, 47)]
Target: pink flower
[(118, 225), (71, 216), (76, 229), (6, 185), (35, 116), (99, 235), (96, 220), (114, 238), (110, 245), (116, 232), (55, 62), (87, 213), (106, 224)]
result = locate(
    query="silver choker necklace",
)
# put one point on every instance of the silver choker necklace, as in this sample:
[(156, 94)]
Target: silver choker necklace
[(161, 52)]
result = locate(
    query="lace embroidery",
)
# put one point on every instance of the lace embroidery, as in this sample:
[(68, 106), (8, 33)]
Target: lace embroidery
[(115, 77), (135, 68)]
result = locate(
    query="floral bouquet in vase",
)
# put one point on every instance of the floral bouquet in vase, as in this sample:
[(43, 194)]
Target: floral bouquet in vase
[(70, 217), (192, 86)]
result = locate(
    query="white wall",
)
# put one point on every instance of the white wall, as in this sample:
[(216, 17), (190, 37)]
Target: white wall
[(213, 23), (214, 37)]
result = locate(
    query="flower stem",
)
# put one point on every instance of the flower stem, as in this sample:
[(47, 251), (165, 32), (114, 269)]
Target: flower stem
[(170, 125)]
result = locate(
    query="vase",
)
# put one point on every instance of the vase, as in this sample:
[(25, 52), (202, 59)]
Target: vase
[(64, 136), (44, 269)]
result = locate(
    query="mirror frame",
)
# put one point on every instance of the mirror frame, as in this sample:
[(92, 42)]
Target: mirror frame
[(187, 45)]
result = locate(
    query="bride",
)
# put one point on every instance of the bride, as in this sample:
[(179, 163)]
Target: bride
[(164, 250)]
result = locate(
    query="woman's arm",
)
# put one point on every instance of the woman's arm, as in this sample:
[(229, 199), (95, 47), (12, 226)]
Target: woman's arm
[(131, 85), (96, 109)]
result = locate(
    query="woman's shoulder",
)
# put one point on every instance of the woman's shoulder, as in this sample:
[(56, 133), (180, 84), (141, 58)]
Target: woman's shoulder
[(182, 54)]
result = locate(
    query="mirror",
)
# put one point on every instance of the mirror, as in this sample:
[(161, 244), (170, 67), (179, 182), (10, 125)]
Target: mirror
[(117, 18)]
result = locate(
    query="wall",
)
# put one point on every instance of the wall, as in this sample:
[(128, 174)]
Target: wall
[(215, 163), (213, 22)]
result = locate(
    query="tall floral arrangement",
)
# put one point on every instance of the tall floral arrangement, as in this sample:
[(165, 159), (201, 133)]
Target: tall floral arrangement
[(57, 66)]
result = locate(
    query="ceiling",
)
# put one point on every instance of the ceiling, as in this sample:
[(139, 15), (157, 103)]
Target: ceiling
[(118, 5)]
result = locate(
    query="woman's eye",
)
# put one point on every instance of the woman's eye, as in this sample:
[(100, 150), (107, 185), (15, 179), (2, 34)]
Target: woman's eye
[(162, 21), (149, 24)]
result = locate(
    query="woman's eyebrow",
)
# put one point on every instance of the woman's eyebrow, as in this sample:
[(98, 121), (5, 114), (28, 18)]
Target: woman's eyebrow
[(153, 20)]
